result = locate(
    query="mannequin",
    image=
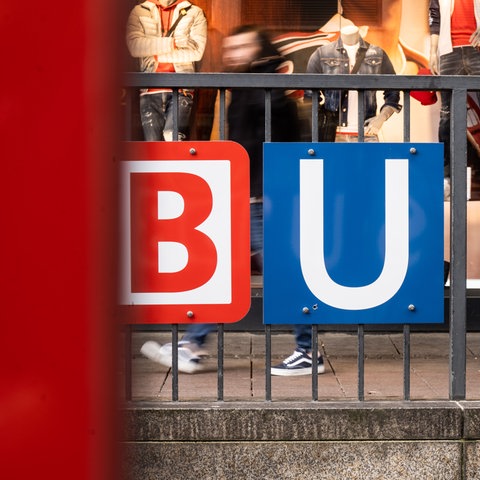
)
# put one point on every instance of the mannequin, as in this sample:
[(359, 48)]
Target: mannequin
[(350, 35), (339, 119), (166, 36)]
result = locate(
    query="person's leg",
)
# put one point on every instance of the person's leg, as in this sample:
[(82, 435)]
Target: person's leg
[(190, 351), (450, 64), (444, 130), (471, 60), (152, 116), (256, 232), (197, 333), (185, 102), (303, 336)]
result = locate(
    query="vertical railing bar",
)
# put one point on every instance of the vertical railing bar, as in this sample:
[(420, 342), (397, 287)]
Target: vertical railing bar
[(222, 114), (221, 353), (268, 115), (458, 247), (268, 328), (175, 114), (406, 116), (175, 362), (315, 362), (268, 363), (361, 363), (128, 99), (406, 362), (315, 100), (361, 115), (128, 363)]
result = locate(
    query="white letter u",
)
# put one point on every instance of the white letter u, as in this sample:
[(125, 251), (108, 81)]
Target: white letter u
[(312, 239)]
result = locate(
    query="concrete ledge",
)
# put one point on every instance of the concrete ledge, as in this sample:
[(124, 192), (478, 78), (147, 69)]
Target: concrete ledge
[(296, 460), (325, 441), (302, 421), (471, 416)]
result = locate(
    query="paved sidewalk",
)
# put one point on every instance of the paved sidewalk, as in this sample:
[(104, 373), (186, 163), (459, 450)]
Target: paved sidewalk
[(244, 369)]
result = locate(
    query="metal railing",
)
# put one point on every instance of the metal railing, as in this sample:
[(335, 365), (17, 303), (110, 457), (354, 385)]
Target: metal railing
[(457, 293)]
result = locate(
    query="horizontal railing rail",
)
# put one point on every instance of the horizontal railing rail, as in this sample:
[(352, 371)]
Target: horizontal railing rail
[(459, 86), (301, 81)]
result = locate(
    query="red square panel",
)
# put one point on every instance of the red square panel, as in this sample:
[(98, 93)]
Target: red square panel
[(184, 232)]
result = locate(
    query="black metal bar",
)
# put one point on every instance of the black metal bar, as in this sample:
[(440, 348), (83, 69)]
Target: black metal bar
[(220, 358), (127, 125), (406, 116), (268, 115), (315, 99), (128, 363), (175, 362), (315, 363), (222, 114), (300, 81), (458, 245), (361, 116), (175, 114), (361, 363), (406, 362), (268, 363)]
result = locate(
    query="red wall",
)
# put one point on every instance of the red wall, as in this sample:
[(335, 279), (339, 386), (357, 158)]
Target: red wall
[(57, 343)]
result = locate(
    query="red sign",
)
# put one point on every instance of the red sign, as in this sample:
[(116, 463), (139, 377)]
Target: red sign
[(185, 232)]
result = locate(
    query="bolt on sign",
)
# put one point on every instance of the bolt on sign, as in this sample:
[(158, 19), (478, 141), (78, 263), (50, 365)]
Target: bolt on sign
[(184, 232), (353, 233)]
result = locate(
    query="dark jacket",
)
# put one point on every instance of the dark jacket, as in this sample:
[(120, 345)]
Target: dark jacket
[(246, 120), (333, 59)]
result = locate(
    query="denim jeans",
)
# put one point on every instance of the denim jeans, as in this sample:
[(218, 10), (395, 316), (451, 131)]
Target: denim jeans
[(256, 233), (303, 336), (156, 112), (462, 61), (197, 333)]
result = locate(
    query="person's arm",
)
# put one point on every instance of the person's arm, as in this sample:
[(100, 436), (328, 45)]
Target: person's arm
[(374, 124), (314, 65), (144, 34), (390, 106), (391, 97), (434, 26), (433, 60), (190, 38), (475, 38)]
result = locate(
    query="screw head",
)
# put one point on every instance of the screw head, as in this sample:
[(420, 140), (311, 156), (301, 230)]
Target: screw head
[(192, 151), (189, 314), (411, 307), (311, 151), (305, 310), (413, 150)]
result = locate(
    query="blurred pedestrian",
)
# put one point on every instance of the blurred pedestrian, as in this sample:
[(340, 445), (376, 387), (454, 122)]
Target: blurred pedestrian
[(248, 49)]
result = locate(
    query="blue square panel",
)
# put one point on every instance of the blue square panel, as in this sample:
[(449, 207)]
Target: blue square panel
[(353, 233)]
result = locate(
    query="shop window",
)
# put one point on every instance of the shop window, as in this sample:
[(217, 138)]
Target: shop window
[(305, 15)]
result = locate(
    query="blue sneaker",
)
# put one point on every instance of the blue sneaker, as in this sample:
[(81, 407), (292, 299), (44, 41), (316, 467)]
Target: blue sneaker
[(299, 363)]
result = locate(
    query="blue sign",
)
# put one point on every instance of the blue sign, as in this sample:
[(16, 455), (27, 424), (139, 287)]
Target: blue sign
[(353, 233)]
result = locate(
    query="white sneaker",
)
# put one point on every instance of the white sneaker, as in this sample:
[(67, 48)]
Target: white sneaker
[(194, 348), (188, 362), (151, 350)]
